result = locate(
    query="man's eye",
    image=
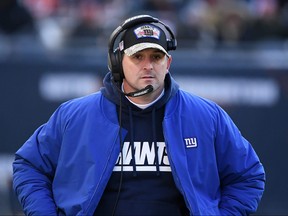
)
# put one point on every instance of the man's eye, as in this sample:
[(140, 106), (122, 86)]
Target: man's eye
[(137, 56), (157, 57)]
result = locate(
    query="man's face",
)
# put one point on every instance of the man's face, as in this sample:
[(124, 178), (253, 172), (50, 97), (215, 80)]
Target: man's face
[(146, 67)]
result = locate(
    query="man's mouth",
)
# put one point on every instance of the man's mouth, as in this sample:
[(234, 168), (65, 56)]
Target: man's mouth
[(147, 77)]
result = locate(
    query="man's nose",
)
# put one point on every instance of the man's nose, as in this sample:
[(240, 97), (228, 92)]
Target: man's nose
[(148, 64)]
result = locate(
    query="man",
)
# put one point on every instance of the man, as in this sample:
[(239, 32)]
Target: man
[(140, 146)]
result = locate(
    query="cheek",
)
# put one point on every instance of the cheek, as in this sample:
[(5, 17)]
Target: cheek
[(126, 67), (163, 65), (129, 70), (162, 69)]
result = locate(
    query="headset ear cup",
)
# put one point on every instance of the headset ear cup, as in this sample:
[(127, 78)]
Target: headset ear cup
[(116, 66), (120, 68), (171, 44)]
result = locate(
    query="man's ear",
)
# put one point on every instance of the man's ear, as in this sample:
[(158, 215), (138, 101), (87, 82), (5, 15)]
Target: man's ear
[(169, 61)]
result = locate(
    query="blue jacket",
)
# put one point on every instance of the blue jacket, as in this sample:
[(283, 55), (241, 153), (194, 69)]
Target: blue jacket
[(64, 166)]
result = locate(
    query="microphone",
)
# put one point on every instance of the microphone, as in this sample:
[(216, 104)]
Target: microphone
[(141, 92)]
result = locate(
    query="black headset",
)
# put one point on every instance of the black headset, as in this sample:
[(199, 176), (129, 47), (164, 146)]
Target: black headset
[(115, 56)]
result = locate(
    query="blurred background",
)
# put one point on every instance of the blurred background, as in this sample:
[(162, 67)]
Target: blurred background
[(234, 52)]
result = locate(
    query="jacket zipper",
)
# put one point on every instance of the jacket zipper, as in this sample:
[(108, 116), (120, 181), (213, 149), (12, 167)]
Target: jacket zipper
[(97, 186), (174, 173)]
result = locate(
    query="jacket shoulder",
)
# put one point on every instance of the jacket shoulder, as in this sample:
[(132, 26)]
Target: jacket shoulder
[(189, 102), (81, 104), (82, 101)]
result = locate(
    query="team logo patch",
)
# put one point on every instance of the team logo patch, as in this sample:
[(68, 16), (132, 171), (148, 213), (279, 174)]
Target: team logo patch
[(147, 31), (121, 45), (191, 142)]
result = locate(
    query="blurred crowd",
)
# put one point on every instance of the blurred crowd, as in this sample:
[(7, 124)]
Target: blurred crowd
[(209, 22)]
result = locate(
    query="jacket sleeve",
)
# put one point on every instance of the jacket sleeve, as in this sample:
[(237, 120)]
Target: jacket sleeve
[(34, 167), (241, 173)]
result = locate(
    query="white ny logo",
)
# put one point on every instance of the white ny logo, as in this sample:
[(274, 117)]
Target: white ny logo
[(191, 142)]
